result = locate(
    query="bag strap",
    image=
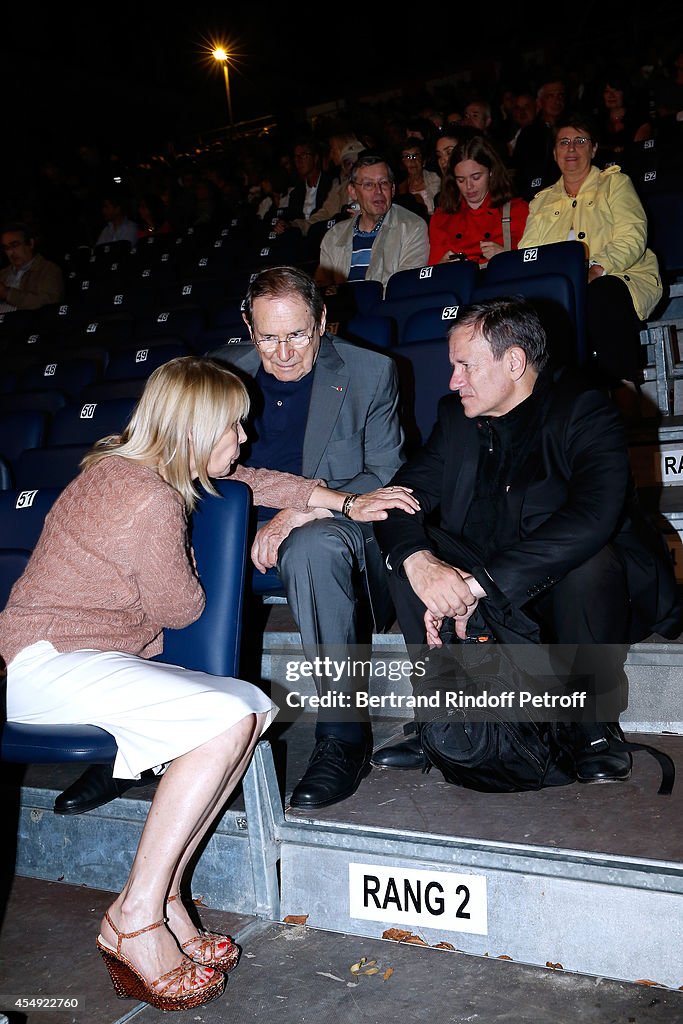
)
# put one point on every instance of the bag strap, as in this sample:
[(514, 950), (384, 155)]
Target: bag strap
[(507, 234)]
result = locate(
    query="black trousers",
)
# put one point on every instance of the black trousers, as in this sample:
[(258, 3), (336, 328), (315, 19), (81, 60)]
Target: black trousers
[(613, 332), (584, 617)]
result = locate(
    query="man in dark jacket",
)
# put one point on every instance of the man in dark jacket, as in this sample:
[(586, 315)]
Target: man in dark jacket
[(538, 529)]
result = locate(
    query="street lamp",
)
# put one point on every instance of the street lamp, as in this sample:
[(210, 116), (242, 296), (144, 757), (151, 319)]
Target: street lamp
[(223, 58)]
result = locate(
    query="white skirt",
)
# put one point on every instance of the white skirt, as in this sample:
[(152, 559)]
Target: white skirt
[(155, 711)]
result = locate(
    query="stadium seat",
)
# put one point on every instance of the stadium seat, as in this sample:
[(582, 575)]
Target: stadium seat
[(457, 277), (552, 296), (567, 259), (20, 430), (400, 309), (66, 374), (86, 422), (424, 371), (379, 331)]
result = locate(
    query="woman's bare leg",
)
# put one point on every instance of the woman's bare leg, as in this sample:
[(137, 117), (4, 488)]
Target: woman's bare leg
[(179, 920), (188, 796)]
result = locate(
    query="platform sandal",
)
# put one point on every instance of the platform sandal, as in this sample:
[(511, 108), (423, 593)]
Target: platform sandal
[(202, 948), (129, 983)]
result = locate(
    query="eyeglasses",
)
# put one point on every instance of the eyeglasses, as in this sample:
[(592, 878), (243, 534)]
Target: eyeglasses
[(578, 143), (296, 340), (410, 156), (372, 186)]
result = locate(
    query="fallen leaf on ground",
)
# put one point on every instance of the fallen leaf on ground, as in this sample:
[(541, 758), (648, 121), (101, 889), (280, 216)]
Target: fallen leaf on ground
[(645, 981), (397, 934), (387, 974), (503, 957), (554, 967), (364, 966), (198, 901), (444, 945), (416, 940), (296, 919)]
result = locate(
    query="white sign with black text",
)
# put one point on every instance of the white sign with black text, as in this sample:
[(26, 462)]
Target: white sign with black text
[(408, 896)]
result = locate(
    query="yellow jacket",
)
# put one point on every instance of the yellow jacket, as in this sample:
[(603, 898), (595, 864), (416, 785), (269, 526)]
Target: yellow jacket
[(608, 217)]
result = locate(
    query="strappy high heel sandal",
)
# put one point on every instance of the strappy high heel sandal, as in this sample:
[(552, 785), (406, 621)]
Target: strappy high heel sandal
[(202, 948), (129, 983)]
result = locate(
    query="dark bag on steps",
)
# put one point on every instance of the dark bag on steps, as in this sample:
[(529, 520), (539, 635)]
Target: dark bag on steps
[(496, 755)]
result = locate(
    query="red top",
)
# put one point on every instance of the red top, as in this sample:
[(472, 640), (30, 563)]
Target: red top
[(463, 231)]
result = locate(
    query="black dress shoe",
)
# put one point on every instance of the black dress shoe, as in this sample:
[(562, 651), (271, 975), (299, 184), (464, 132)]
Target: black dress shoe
[(334, 772), (95, 787), (601, 760), (408, 754)]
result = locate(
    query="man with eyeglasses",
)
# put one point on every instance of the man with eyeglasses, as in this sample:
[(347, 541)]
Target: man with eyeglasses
[(308, 196), (325, 409), (381, 240), (533, 160), (29, 281)]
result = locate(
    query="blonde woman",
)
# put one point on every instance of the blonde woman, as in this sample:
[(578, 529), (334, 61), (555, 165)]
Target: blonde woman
[(111, 570)]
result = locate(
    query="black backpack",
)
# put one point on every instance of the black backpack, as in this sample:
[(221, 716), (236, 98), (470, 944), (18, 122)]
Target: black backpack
[(492, 754)]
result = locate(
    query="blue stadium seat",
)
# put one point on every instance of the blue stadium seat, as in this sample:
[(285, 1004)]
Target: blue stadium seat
[(87, 422), (22, 513), (430, 324), (48, 401), (21, 430), (400, 309), (566, 259), (379, 331), (171, 322), (48, 466), (552, 296), (457, 277), (424, 371), (141, 359), (65, 374)]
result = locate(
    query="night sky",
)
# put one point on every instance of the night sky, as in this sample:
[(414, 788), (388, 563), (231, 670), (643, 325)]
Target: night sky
[(133, 76)]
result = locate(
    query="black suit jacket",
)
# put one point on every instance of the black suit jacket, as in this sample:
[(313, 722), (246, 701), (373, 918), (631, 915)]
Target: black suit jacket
[(570, 496), (294, 209)]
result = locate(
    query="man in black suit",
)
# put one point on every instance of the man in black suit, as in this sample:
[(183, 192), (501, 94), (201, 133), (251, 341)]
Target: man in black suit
[(538, 531)]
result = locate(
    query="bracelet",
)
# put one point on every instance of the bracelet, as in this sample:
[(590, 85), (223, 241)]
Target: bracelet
[(348, 504)]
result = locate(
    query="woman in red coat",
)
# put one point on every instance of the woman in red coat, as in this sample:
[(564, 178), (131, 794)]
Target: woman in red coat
[(477, 213)]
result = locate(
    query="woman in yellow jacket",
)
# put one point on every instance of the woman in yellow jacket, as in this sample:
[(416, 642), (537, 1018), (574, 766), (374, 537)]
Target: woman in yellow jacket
[(601, 209)]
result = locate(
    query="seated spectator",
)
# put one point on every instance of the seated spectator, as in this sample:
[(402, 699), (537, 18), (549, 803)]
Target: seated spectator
[(418, 182), (30, 281), (477, 114), (152, 217), (310, 192), (532, 160), (523, 113), (344, 151), (112, 569), (620, 121), (538, 539), (601, 209), (478, 214), (119, 227), (381, 239)]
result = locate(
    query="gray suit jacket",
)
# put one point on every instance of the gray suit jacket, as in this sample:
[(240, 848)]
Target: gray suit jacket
[(353, 438)]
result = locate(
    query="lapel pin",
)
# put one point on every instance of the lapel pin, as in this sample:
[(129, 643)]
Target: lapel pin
[(336, 387)]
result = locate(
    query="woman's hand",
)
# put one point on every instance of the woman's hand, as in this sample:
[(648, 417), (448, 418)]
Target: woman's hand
[(489, 249), (368, 508)]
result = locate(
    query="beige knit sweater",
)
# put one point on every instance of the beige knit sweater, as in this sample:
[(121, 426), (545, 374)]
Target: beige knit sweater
[(112, 567)]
